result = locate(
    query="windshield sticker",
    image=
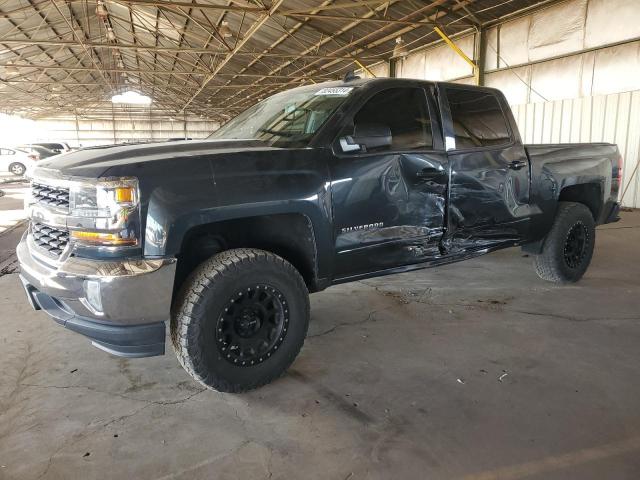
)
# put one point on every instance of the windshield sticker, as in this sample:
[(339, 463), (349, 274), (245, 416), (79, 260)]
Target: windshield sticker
[(339, 91)]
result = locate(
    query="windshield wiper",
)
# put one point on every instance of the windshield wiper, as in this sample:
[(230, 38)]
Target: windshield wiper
[(275, 132)]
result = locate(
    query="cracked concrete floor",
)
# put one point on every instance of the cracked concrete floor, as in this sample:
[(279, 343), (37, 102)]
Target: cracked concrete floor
[(473, 371)]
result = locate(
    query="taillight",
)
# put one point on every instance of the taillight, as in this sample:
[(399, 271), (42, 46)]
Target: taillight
[(34, 157), (616, 177), (620, 165)]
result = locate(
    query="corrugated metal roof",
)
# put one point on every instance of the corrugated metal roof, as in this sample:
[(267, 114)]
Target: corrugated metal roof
[(212, 57)]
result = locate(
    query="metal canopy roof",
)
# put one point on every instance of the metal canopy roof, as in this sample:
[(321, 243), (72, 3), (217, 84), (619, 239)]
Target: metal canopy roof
[(208, 57)]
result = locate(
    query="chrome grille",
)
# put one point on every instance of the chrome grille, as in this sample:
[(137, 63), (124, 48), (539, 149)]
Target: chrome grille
[(51, 239), (53, 196)]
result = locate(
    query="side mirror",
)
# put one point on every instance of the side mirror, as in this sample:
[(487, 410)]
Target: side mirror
[(366, 136)]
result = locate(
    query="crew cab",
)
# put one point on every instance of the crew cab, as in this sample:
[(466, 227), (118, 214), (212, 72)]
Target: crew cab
[(224, 238)]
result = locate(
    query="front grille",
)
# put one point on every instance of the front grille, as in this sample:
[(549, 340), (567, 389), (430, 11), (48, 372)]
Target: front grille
[(53, 196), (51, 239)]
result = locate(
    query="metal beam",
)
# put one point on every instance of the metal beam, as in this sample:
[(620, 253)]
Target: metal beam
[(201, 6), (391, 21), (95, 84), (250, 33), (152, 48), (338, 6)]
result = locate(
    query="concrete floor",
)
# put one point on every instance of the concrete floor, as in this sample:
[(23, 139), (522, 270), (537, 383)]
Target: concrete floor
[(474, 371)]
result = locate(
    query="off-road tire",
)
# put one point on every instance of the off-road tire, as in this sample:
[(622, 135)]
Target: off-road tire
[(552, 264), (17, 168), (202, 300)]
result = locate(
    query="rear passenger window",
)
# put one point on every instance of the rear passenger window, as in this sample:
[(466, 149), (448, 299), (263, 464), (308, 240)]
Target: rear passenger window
[(404, 111), (478, 120)]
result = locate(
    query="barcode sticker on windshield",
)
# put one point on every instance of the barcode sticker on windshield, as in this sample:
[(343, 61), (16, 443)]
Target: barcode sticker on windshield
[(341, 91)]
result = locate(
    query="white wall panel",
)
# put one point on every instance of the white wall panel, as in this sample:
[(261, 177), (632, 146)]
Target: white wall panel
[(533, 40), (611, 21), (601, 118), (379, 70), (442, 63), (514, 42), (515, 90), (617, 69), (557, 30), (413, 66), (466, 81), (556, 79)]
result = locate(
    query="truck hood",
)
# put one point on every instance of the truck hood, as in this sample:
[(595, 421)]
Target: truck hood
[(96, 161)]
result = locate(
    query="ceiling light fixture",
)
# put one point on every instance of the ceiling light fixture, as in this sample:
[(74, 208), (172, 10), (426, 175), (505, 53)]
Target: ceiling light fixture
[(400, 50), (224, 30), (132, 98), (111, 36)]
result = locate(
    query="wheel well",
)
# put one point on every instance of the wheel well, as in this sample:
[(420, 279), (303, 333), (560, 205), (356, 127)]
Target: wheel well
[(287, 235), (588, 194)]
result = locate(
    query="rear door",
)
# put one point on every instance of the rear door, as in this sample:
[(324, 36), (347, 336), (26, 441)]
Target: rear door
[(489, 184), (389, 203)]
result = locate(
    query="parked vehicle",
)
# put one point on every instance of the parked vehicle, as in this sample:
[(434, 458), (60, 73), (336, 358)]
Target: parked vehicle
[(41, 152), (16, 161), (313, 187), (56, 147)]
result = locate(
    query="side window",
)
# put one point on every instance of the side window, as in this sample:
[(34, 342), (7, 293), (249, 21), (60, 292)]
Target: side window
[(478, 120), (404, 111)]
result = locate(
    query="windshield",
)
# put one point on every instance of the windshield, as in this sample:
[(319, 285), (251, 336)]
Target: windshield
[(287, 119)]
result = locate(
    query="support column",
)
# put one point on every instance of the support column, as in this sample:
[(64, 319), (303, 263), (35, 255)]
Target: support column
[(480, 54)]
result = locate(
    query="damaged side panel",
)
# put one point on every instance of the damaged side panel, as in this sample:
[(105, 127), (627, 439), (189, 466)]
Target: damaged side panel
[(389, 209), (488, 200)]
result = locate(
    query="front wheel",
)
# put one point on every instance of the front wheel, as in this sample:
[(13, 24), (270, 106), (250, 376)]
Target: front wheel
[(240, 320), (17, 168), (568, 247)]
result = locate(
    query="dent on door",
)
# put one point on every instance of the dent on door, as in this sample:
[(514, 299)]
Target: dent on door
[(389, 211), (488, 199)]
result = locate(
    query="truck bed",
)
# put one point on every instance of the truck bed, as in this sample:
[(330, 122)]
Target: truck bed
[(559, 170)]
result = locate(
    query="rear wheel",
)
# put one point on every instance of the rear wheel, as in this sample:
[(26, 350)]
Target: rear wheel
[(17, 168), (568, 248), (240, 320)]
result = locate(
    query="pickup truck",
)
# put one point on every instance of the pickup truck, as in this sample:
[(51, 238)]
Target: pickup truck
[(224, 238)]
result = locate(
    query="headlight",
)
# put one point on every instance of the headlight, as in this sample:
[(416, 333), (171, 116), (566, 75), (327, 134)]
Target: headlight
[(107, 212)]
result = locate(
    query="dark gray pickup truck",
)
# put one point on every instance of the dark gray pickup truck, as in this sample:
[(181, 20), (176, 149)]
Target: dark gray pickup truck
[(316, 186)]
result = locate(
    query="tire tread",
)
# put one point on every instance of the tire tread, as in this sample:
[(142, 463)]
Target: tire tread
[(548, 264), (185, 321)]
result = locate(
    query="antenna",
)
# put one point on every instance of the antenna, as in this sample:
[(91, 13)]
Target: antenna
[(349, 76)]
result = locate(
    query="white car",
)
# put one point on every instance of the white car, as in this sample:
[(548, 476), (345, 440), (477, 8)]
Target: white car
[(17, 162)]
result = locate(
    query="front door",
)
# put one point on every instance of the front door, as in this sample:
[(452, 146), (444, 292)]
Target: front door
[(389, 202), (489, 191)]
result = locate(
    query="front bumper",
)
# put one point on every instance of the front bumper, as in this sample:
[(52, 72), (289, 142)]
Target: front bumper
[(121, 306)]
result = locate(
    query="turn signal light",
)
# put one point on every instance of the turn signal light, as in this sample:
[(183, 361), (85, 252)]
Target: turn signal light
[(97, 238), (125, 194)]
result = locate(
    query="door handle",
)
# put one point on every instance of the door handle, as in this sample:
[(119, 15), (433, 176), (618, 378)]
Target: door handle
[(517, 164), (429, 172)]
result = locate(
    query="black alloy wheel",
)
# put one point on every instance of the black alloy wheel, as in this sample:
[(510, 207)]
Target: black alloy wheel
[(575, 245), (252, 326)]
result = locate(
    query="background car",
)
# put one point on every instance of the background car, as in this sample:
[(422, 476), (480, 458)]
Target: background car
[(58, 147), (42, 152), (16, 161)]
